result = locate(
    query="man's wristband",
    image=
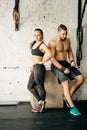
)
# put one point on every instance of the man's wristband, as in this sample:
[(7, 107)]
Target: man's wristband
[(63, 68)]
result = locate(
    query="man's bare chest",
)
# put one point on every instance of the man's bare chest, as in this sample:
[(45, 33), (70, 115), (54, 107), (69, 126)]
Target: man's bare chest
[(62, 46)]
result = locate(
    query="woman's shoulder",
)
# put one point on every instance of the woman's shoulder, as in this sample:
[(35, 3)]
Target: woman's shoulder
[(32, 43)]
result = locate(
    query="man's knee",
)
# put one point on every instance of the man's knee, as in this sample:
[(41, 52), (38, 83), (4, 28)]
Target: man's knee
[(80, 79)]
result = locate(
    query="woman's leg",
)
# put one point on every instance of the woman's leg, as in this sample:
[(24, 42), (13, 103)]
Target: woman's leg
[(31, 86), (39, 75)]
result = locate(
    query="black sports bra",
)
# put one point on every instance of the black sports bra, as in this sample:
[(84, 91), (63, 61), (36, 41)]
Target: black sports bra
[(37, 51)]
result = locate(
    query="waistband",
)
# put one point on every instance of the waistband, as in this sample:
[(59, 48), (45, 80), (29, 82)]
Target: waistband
[(62, 61), (38, 65)]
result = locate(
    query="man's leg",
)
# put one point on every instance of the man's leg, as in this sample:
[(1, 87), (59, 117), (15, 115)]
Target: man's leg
[(66, 92), (78, 81), (73, 109)]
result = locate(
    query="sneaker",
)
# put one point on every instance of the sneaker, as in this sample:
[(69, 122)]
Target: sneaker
[(74, 111), (42, 105), (40, 108), (36, 110), (67, 104)]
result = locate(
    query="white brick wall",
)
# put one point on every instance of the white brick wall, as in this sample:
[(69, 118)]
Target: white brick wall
[(15, 57)]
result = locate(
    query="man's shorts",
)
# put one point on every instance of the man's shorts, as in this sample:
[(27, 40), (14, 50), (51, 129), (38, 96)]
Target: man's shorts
[(61, 76)]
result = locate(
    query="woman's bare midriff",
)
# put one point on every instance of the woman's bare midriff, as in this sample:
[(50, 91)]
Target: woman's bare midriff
[(36, 59)]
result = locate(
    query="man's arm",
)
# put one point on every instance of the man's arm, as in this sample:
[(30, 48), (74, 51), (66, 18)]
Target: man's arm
[(71, 56), (52, 47)]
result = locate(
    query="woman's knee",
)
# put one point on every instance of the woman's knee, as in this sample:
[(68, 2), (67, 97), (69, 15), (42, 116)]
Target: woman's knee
[(30, 85)]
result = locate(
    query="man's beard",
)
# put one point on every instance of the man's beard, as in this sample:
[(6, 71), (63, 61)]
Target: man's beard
[(63, 39)]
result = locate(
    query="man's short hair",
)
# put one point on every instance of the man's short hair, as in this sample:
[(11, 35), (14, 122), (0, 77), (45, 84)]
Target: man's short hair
[(62, 26)]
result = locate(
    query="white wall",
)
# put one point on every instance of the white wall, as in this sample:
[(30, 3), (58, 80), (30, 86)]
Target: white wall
[(15, 57)]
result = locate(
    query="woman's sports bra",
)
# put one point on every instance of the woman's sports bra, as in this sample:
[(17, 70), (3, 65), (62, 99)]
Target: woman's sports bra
[(37, 51)]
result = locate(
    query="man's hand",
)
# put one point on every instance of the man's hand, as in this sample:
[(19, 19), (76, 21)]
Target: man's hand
[(67, 71), (73, 64)]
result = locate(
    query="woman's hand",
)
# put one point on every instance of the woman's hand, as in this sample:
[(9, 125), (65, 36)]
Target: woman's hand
[(40, 62)]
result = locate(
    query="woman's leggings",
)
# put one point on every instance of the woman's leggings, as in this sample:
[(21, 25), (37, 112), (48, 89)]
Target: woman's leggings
[(37, 78)]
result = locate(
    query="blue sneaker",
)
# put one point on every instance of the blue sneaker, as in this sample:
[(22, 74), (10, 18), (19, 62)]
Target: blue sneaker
[(74, 111), (67, 104)]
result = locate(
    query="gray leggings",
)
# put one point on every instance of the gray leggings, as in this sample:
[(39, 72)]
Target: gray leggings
[(37, 78)]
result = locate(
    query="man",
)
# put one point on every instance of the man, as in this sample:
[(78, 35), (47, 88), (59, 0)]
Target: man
[(60, 47)]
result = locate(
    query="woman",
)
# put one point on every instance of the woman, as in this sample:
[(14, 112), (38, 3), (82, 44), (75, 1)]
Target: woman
[(38, 50)]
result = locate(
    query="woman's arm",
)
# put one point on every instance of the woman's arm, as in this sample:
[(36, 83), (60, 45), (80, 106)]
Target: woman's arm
[(47, 53)]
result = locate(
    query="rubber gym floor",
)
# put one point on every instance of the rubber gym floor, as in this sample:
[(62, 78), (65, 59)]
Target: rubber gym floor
[(20, 117)]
